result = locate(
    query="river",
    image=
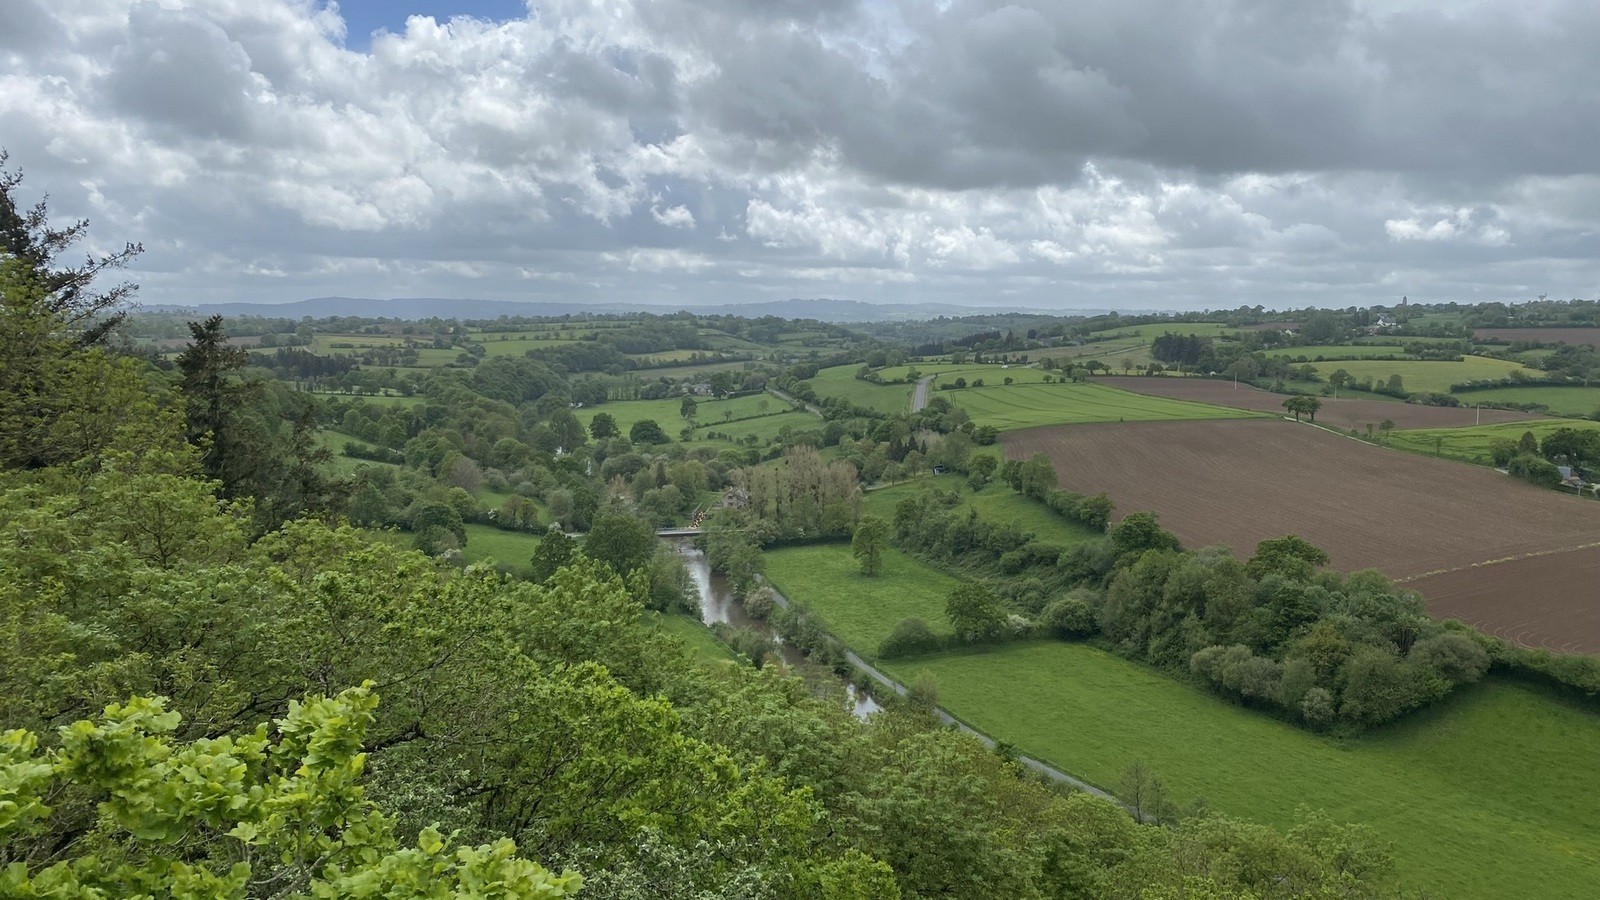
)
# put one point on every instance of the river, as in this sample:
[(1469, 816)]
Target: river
[(717, 604)]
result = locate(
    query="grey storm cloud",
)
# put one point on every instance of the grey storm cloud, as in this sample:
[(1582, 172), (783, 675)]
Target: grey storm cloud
[(1134, 153)]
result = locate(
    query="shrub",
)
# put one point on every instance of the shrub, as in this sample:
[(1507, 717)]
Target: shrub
[(1071, 616), (909, 637)]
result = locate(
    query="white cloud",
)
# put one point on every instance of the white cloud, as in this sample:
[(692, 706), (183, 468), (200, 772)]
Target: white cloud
[(673, 216)]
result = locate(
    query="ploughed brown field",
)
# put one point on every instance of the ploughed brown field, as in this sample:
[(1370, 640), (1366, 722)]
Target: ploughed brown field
[(1550, 601), (1346, 414), (1239, 482), (1574, 336)]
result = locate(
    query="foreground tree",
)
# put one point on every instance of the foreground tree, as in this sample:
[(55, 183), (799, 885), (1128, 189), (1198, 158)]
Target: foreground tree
[(121, 809)]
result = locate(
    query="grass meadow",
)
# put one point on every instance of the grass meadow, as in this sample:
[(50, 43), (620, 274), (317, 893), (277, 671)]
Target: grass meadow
[(1472, 444), (841, 381), (1572, 400), (996, 502), (1427, 375), (1029, 405), (1484, 795), (1337, 352)]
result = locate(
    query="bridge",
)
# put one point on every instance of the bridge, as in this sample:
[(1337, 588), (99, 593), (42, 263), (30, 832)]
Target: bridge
[(679, 532)]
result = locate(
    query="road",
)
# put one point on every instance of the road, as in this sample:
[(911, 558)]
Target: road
[(788, 398), (919, 397)]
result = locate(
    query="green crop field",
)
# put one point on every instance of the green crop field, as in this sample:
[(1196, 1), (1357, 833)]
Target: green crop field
[(1472, 444), (860, 610), (1475, 793), (1337, 352), (996, 502), (1028, 405), (841, 381), (1423, 375), (1573, 400)]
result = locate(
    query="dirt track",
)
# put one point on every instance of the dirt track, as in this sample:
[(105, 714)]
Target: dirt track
[(1239, 482), (1345, 414), (1550, 601)]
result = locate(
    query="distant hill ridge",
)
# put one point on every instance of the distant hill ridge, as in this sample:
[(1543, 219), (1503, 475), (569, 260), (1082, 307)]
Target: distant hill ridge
[(445, 308)]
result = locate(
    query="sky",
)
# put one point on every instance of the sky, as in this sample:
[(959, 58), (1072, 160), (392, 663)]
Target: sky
[(1131, 154)]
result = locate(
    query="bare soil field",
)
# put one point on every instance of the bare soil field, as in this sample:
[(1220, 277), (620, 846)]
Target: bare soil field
[(1574, 336), (1238, 482), (1346, 414), (1550, 601)]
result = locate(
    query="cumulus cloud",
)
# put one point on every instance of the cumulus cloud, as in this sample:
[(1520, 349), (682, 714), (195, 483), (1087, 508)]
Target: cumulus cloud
[(1133, 153)]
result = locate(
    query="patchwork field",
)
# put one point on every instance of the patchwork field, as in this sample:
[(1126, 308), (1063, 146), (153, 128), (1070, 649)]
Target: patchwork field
[(1241, 482), (1575, 336), (1347, 414), (1542, 601), (1027, 405)]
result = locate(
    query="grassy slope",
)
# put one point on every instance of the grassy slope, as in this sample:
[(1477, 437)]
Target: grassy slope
[(1478, 794), (841, 381), (1571, 401), (513, 548), (1473, 443), (701, 642), (1028, 405), (1421, 375)]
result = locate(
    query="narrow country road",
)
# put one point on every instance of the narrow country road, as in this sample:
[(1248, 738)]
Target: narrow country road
[(919, 397)]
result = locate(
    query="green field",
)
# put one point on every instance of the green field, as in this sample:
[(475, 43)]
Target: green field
[(841, 381), (375, 399), (1337, 352), (947, 373), (1472, 444), (1029, 405), (765, 429), (996, 502), (702, 644), (334, 442), (714, 415), (1574, 400), (1479, 794), (514, 548), (859, 610), (1424, 375), (1475, 793), (1151, 331)]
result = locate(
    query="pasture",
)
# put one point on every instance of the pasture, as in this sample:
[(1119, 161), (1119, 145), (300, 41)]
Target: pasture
[(859, 610), (1336, 352), (1563, 400), (997, 502), (1428, 375), (513, 548), (1240, 482), (1350, 415), (1472, 444), (1464, 820), (710, 414), (841, 381), (1028, 405)]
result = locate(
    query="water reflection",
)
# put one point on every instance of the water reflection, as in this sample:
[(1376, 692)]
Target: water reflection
[(717, 604)]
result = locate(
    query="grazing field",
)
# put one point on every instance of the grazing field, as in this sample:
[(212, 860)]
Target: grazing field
[(1241, 482), (947, 373), (1570, 400), (514, 548), (841, 381), (1429, 375), (1351, 415), (1472, 444), (996, 502), (1574, 336), (715, 415), (1154, 330), (859, 610), (1338, 352), (1029, 405), (702, 644), (334, 441), (1483, 795), (765, 428), (1540, 601)]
